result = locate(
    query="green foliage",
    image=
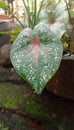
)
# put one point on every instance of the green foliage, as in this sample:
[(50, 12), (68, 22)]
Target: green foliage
[(33, 10), (36, 55), (13, 33), (37, 51), (3, 5), (2, 127)]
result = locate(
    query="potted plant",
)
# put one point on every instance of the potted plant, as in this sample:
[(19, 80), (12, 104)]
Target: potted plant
[(63, 81), (37, 51)]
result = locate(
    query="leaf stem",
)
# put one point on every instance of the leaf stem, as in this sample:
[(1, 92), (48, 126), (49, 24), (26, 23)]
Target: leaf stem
[(16, 18), (40, 9), (69, 13), (28, 13), (35, 9), (71, 44), (32, 14)]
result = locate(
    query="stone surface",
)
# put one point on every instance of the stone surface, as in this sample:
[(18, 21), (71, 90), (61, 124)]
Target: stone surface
[(5, 55), (14, 121), (4, 39), (9, 74), (4, 26), (13, 76), (21, 108), (4, 74)]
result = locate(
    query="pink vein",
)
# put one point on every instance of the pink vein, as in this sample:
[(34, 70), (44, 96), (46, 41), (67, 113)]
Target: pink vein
[(36, 48)]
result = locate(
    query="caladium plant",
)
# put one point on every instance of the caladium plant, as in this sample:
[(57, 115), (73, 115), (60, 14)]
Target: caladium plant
[(36, 53)]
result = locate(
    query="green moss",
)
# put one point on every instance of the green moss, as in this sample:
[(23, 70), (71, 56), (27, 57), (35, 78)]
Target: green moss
[(3, 127), (18, 96), (38, 110), (10, 95)]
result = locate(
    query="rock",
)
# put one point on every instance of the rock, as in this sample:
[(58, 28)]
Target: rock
[(5, 23), (52, 112), (13, 76), (5, 39), (9, 74), (5, 55), (4, 26), (4, 74)]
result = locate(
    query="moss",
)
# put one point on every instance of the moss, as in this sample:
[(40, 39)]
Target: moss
[(10, 95), (3, 127), (39, 107), (18, 96), (38, 110)]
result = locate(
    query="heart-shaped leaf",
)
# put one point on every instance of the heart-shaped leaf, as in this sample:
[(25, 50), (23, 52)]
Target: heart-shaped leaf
[(57, 18), (36, 55), (61, 17)]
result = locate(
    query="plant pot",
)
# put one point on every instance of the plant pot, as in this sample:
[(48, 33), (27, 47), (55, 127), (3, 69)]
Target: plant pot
[(5, 23), (62, 83), (4, 26)]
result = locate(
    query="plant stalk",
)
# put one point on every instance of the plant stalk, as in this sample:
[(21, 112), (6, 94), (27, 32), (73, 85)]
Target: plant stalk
[(35, 9), (15, 18), (28, 13), (69, 14), (40, 9), (71, 44), (32, 14)]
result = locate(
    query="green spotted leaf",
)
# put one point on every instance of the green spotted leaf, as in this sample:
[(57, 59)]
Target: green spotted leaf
[(36, 55)]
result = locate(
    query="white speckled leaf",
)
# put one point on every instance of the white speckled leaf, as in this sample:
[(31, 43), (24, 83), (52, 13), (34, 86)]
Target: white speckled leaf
[(61, 15), (36, 55), (58, 18)]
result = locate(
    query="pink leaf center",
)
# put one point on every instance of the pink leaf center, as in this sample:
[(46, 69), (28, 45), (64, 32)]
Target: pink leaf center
[(36, 42)]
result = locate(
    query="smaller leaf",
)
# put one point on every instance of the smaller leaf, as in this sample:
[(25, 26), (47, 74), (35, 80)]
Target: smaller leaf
[(44, 16), (60, 19), (40, 8), (57, 18)]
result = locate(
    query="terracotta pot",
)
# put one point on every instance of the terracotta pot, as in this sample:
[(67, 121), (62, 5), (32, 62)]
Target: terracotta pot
[(5, 23), (62, 83), (4, 26)]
